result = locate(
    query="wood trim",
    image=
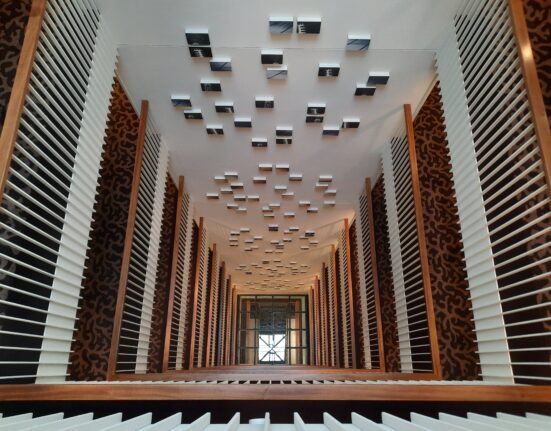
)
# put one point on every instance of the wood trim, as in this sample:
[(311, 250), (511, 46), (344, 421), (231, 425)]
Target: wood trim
[(431, 319), (229, 318), (173, 268), (234, 328), (129, 235), (221, 326), (350, 292), (195, 294), (317, 320), (209, 392), (209, 353), (375, 275), (20, 89), (532, 85), (311, 328), (336, 323), (326, 312)]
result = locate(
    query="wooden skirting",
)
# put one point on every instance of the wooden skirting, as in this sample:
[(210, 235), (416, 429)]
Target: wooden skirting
[(210, 392)]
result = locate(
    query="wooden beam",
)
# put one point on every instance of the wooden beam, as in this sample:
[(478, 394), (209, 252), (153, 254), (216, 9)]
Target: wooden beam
[(351, 392), (325, 294), (129, 236), (195, 294), (229, 318), (375, 275), (431, 320), (209, 353), (350, 291), (234, 327), (173, 269), (335, 323), (311, 324), (533, 88), (19, 90)]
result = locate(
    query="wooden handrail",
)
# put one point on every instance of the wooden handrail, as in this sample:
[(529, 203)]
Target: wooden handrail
[(431, 319), (375, 275), (195, 294), (211, 305), (350, 291), (20, 88), (208, 392), (173, 269), (129, 235), (533, 88)]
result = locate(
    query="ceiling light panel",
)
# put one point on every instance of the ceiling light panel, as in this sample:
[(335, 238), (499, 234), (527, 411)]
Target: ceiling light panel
[(277, 73), (265, 166), (271, 56), (329, 70), (281, 24), (259, 142), (350, 123), (378, 78), (224, 107), (193, 114), (211, 85), (259, 180), (243, 122), (197, 37), (215, 129), (220, 64), (200, 51), (213, 196), (331, 130), (284, 131), (308, 25), (181, 101), (316, 109), (364, 90), (357, 42), (264, 102)]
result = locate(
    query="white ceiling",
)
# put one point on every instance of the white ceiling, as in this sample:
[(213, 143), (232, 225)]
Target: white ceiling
[(155, 63)]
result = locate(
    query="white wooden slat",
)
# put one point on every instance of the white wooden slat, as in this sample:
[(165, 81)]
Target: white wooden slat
[(166, 424), (22, 425), (298, 423), (400, 424), (133, 424), (96, 424), (365, 424), (503, 424), (200, 424), (5, 420), (467, 423), (60, 424), (539, 417), (233, 424), (434, 424)]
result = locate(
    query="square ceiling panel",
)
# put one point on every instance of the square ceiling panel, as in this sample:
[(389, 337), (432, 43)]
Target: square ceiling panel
[(329, 70), (200, 51), (358, 42), (220, 65), (197, 37), (308, 25), (271, 56), (224, 107), (193, 114), (277, 73), (281, 25)]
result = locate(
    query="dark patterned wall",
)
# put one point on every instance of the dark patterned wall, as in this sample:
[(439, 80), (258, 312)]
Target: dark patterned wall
[(14, 15), (447, 269), (99, 294), (162, 284), (386, 286), (538, 21)]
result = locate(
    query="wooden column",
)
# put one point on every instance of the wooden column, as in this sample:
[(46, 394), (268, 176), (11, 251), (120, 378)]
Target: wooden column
[(326, 362), (350, 291), (196, 293), (431, 320), (375, 275), (229, 317), (20, 89), (317, 319), (132, 209), (221, 327), (311, 326), (173, 269), (533, 88), (234, 327), (335, 322), (211, 306)]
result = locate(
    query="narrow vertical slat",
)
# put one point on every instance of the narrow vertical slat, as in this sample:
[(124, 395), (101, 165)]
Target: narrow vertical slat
[(350, 293), (132, 209), (196, 294), (435, 352), (20, 89)]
